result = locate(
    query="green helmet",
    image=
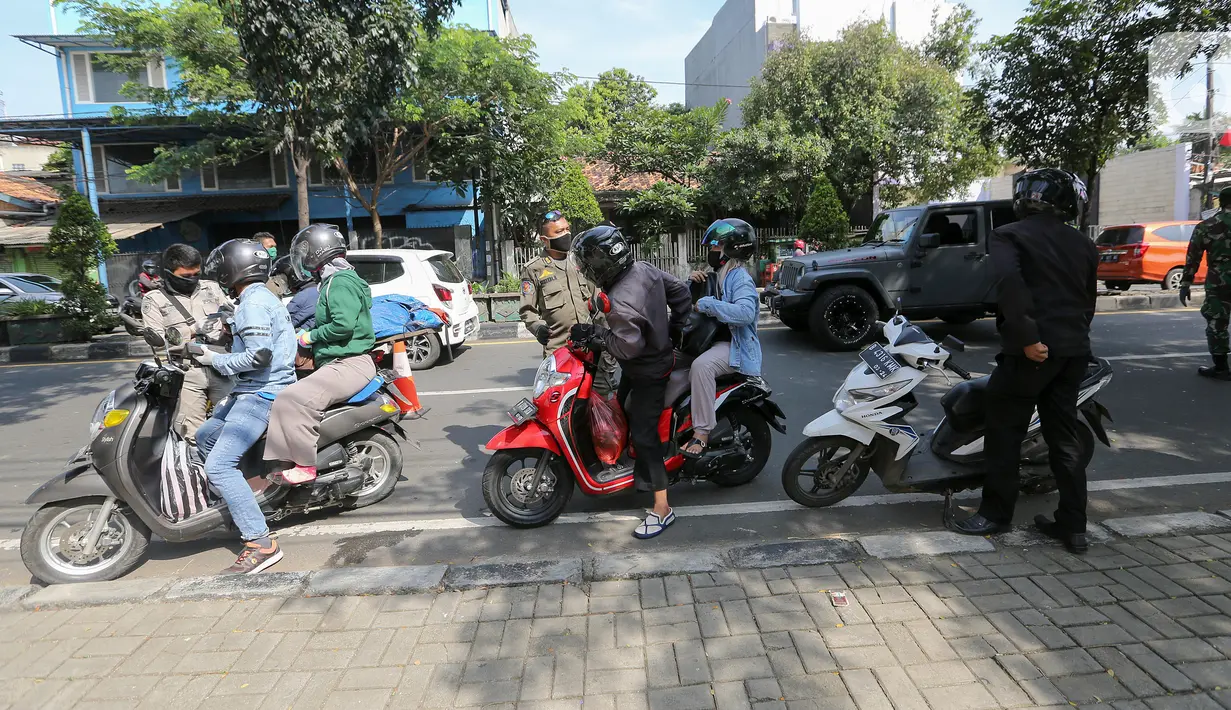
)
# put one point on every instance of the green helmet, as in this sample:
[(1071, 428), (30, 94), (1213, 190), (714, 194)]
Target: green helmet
[(1224, 198)]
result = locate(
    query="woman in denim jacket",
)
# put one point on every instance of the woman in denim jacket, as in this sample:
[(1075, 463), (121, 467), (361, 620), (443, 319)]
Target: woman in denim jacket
[(731, 243)]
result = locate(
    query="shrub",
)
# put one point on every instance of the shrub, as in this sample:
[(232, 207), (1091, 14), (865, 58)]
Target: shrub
[(824, 219), (575, 198), (27, 308), (78, 242)]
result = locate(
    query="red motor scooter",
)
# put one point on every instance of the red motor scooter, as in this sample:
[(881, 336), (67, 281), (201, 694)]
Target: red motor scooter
[(529, 479)]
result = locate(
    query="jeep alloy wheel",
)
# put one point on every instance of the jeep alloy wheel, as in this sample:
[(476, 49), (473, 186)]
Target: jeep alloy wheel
[(843, 317)]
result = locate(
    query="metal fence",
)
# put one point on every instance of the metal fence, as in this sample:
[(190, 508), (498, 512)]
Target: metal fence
[(122, 271)]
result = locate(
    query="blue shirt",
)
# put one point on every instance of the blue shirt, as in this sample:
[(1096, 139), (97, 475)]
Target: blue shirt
[(739, 308), (261, 322), (303, 307)]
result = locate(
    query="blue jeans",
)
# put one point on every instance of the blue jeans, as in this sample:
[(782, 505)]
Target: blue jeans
[(223, 440)]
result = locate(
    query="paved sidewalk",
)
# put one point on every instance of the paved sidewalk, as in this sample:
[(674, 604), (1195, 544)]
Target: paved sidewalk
[(1143, 623)]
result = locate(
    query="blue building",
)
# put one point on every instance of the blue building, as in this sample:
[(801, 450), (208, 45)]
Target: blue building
[(219, 202)]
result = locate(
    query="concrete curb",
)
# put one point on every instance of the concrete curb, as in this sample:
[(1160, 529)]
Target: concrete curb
[(351, 581)]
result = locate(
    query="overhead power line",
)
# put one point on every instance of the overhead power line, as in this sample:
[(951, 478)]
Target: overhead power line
[(675, 83)]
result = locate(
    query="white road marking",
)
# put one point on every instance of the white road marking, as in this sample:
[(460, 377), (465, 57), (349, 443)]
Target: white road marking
[(486, 390), (694, 511), (1159, 356)]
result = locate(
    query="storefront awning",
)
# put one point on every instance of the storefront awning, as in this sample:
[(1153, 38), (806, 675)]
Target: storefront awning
[(121, 225)]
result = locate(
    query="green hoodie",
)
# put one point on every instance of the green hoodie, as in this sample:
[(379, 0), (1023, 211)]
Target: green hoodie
[(344, 319)]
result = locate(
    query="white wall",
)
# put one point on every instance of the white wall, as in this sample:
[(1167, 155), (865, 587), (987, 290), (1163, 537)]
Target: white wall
[(733, 49), (1150, 186), (31, 156)]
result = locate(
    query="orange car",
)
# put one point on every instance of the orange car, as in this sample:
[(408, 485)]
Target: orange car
[(1149, 253)]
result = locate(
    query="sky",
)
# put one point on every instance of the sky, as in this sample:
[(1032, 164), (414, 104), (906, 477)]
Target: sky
[(648, 37)]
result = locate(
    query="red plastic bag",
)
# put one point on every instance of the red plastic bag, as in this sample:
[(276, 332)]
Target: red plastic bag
[(608, 428)]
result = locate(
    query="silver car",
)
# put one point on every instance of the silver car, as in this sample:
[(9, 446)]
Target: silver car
[(37, 287)]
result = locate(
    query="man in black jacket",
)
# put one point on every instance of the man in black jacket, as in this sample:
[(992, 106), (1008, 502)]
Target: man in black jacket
[(1047, 290), (648, 309)]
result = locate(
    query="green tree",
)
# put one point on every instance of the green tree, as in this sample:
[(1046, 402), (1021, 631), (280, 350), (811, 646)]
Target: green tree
[(61, 161), (310, 79), (663, 208), (673, 145), (78, 243), (825, 221), (895, 117), (591, 110), (575, 198), (762, 169), (1071, 83)]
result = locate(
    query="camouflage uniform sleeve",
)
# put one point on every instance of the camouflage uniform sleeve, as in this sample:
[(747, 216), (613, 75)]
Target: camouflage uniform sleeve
[(1196, 249), (529, 310)]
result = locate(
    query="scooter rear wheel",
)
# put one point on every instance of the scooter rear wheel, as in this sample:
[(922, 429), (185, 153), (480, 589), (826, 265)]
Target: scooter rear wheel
[(506, 488), (808, 472)]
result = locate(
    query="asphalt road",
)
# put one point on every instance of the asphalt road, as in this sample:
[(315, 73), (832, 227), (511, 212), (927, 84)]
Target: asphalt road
[(1168, 423)]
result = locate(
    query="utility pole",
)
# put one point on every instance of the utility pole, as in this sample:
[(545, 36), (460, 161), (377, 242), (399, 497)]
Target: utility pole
[(1211, 144), (52, 5)]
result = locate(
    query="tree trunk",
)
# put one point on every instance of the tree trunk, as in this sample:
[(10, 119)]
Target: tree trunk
[(377, 230), (301, 164), (1092, 193)]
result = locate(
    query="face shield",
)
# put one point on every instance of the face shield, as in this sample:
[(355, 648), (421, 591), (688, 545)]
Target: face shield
[(298, 257)]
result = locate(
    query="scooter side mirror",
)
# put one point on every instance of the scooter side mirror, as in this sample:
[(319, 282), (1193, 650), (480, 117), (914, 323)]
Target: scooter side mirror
[(952, 343), (174, 337), (153, 338)]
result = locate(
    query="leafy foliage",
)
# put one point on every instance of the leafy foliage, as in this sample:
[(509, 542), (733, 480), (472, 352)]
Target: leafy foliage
[(893, 116), (26, 308), (78, 242), (61, 161), (660, 209), (763, 169), (824, 221), (666, 143), (590, 111), (575, 198)]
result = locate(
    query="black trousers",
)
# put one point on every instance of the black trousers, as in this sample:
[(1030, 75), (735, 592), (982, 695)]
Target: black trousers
[(1017, 386), (644, 400)]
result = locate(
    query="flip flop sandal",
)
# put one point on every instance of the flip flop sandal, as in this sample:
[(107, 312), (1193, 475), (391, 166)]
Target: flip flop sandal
[(653, 526), (691, 455)]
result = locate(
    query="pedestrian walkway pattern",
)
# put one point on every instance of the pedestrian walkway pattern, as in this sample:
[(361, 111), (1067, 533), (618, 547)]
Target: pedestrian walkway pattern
[(1134, 624)]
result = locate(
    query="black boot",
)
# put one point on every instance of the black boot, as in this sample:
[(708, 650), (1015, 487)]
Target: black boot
[(978, 525), (1074, 542), (1220, 370)]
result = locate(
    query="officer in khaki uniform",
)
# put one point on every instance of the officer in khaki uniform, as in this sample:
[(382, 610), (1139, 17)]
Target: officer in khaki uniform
[(186, 302), (555, 296)]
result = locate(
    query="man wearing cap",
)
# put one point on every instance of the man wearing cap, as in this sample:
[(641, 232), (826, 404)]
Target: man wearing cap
[(555, 296), (1212, 240)]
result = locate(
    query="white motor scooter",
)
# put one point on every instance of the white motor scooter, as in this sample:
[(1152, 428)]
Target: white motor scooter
[(867, 430)]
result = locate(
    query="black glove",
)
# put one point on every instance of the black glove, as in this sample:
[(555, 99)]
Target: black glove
[(542, 334), (200, 353), (589, 336), (1186, 293)]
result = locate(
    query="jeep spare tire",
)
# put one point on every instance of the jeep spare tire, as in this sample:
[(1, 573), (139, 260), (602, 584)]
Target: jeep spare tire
[(843, 317)]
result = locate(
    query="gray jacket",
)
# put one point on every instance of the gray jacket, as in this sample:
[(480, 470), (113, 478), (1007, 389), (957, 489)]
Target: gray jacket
[(648, 306)]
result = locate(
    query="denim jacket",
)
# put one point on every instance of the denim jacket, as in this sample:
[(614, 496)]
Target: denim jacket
[(261, 322), (739, 308)]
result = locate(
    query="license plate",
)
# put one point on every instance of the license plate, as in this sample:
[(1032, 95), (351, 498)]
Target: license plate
[(471, 325), (523, 412), (1110, 258), (880, 361)]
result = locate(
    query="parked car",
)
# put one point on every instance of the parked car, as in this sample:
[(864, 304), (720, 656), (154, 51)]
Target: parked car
[(432, 277), (929, 260), (1146, 253), (16, 287), (49, 282)]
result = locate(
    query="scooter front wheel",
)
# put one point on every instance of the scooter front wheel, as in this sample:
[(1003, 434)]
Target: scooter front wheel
[(811, 473), (53, 543), (510, 492)]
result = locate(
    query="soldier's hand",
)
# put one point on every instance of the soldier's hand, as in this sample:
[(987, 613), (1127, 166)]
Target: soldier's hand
[(542, 334), (1186, 294)]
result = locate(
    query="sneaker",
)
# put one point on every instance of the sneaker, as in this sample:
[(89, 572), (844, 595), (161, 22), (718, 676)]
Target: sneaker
[(255, 558)]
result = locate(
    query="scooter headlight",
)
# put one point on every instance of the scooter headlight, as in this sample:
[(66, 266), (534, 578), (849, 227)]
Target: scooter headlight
[(100, 413), (548, 376), (871, 394)]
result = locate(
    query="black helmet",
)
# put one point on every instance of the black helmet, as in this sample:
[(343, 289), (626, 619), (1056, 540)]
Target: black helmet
[(282, 267), (150, 267), (237, 262), (602, 254), (315, 246), (1050, 190), (737, 237)]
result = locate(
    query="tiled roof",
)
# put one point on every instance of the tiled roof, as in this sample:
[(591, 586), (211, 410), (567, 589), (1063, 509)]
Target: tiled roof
[(23, 188), (602, 178)]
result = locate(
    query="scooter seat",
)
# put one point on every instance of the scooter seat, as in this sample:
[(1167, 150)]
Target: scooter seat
[(964, 404), (366, 393)]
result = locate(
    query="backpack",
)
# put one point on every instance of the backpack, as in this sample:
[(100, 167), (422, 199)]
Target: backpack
[(701, 331)]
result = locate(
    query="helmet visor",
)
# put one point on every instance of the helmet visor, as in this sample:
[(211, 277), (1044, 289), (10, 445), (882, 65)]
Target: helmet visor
[(716, 234), (298, 257)]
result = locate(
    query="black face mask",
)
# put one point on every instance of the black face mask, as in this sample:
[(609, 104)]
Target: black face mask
[(564, 242), (716, 259), (184, 285)]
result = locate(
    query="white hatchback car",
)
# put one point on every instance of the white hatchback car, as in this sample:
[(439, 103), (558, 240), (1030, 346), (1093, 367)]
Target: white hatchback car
[(432, 277)]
